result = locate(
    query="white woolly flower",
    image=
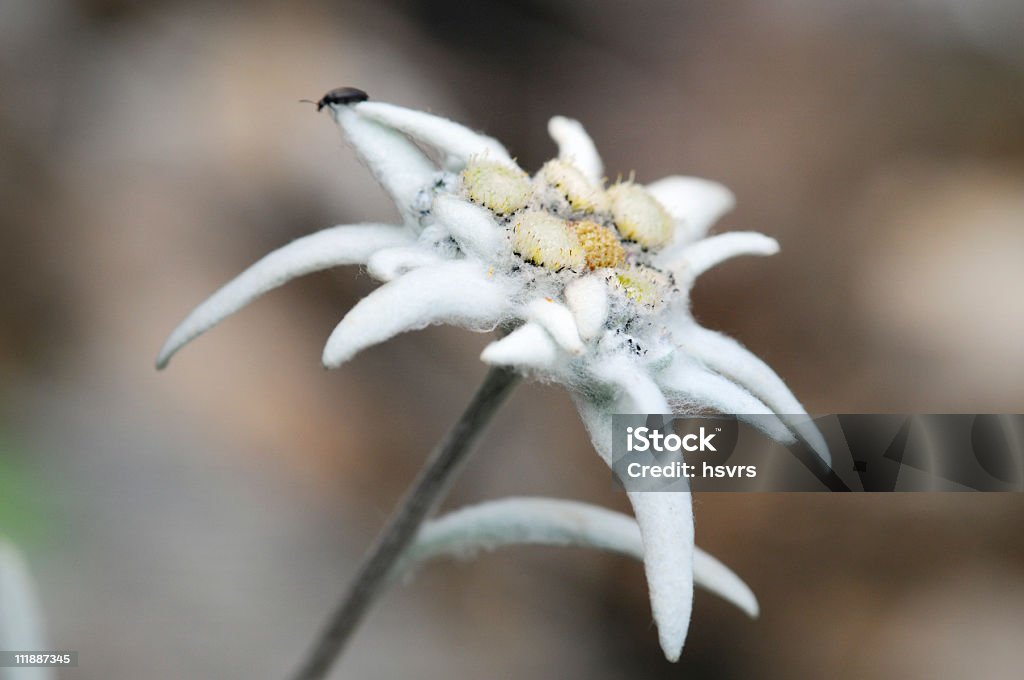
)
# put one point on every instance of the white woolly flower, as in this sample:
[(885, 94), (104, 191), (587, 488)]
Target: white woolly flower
[(590, 283)]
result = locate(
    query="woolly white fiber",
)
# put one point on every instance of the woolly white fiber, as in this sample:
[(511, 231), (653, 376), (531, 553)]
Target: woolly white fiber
[(695, 204), (400, 167), (528, 347), (557, 320), (458, 293), (389, 264), (551, 522), (576, 147), (723, 354), (588, 300), (350, 244), (471, 226), (687, 382), (456, 141), (714, 250)]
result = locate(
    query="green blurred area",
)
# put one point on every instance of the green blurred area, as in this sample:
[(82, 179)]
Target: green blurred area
[(26, 516)]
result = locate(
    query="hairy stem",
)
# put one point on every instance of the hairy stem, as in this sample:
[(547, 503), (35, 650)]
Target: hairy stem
[(431, 485)]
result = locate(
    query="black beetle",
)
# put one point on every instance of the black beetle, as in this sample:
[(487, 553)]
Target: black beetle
[(340, 95)]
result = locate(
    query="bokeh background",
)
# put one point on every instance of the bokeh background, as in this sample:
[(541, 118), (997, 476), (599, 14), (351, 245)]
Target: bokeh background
[(201, 522)]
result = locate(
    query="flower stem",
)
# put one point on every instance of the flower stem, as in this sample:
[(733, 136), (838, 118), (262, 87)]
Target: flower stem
[(431, 485)]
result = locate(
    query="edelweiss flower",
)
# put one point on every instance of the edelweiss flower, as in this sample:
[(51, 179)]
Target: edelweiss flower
[(591, 284)]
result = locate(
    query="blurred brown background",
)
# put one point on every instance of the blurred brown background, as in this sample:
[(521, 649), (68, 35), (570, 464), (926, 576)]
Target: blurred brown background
[(202, 521)]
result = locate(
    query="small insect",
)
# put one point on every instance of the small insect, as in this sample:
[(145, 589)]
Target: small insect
[(339, 95)]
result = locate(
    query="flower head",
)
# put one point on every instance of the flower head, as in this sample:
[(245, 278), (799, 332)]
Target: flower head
[(590, 282)]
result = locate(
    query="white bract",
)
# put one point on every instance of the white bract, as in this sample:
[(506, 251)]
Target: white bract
[(590, 284), (553, 522)]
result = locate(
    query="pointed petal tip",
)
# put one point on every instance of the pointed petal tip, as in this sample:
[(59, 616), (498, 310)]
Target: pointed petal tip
[(341, 346), (672, 635), (724, 582), (529, 346), (576, 146), (495, 354), (333, 358), (725, 355), (559, 321), (666, 528), (769, 245), (491, 356), (672, 648), (560, 127), (162, 360), (817, 443), (695, 259), (174, 342), (336, 246)]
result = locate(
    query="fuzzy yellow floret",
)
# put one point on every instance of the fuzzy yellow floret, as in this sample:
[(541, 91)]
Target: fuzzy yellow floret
[(600, 244), (547, 241), (577, 189), (639, 216), (497, 187), (645, 285)]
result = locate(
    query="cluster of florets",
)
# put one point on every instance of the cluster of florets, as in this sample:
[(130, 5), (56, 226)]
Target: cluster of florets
[(561, 226)]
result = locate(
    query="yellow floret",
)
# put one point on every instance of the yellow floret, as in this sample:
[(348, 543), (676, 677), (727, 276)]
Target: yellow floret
[(497, 187), (645, 285), (600, 244), (577, 189), (639, 216), (547, 241)]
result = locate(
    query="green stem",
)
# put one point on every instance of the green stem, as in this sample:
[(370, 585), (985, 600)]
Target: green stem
[(431, 485)]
